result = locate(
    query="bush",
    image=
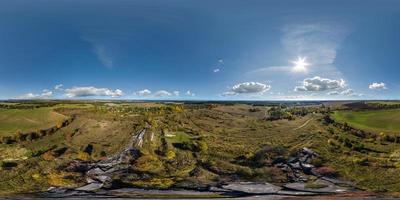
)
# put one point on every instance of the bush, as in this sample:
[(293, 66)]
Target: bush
[(89, 149), (7, 140), (48, 156), (7, 165), (103, 154), (83, 156), (31, 136), (63, 179), (244, 172), (20, 136), (361, 161), (170, 155), (202, 146), (161, 183), (326, 171)]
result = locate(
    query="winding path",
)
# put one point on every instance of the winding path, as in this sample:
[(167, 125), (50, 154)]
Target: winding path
[(303, 125)]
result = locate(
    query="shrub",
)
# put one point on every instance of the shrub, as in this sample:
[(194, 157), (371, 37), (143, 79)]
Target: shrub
[(7, 164), (161, 183), (244, 172), (63, 179), (103, 154), (202, 146), (20, 136), (60, 124), (31, 136), (48, 156), (326, 171), (317, 162), (397, 165), (332, 142), (83, 156), (361, 161), (89, 149), (170, 155), (7, 140)]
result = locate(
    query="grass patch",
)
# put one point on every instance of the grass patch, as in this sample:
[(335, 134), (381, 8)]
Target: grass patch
[(24, 120), (387, 121)]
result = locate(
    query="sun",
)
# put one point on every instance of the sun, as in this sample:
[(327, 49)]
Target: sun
[(300, 64)]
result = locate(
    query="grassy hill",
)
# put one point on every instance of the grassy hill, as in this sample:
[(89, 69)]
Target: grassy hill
[(387, 121), (13, 120), (192, 146)]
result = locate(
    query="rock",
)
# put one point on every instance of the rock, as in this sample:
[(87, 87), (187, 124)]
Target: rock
[(338, 182), (295, 166), (90, 180), (292, 160), (90, 187), (307, 168), (217, 189), (103, 179), (78, 166), (308, 151), (329, 189), (279, 160), (296, 193), (95, 171), (252, 188)]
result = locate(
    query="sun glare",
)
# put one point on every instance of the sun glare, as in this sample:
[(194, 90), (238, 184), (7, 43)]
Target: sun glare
[(300, 64)]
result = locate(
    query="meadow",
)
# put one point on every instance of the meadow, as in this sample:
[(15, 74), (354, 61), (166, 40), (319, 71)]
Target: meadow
[(24, 120), (192, 145), (387, 120)]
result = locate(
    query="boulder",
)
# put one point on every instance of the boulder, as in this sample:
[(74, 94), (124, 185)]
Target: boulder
[(90, 187), (252, 188)]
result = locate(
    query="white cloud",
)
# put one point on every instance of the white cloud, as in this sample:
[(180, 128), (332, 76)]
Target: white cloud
[(176, 93), (58, 87), (189, 93), (348, 92), (27, 96), (333, 93), (144, 92), (92, 91), (162, 93), (220, 63), (103, 56), (46, 94), (377, 86), (317, 83), (100, 50), (228, 93), (247, 88), (318, 42)]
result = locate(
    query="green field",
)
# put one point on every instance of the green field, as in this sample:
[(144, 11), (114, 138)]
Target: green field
[(387, 121), (12, 120)]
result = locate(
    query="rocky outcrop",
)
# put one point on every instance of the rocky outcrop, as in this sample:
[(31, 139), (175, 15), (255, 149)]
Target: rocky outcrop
[(304, 179), (99, 174)]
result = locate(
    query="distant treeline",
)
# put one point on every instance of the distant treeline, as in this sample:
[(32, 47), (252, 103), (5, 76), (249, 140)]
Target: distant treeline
[(290, 113), (32, 135), (27, 105), (371, 106)]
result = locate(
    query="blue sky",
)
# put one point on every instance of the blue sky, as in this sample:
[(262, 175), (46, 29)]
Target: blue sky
[(262, 50)]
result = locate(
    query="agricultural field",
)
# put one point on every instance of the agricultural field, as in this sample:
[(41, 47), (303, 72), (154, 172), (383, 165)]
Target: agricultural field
[(387, 121), (192, 147), (24, 120)]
